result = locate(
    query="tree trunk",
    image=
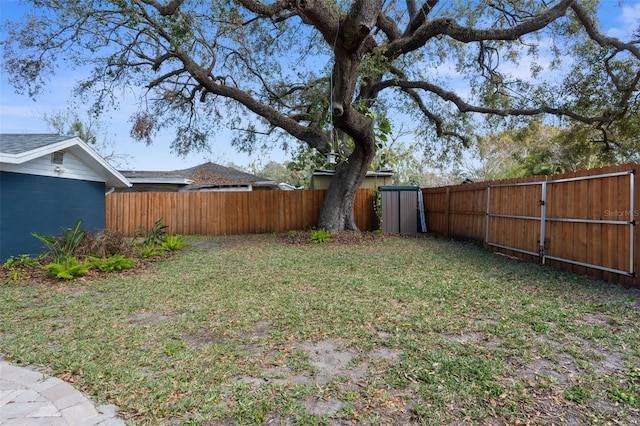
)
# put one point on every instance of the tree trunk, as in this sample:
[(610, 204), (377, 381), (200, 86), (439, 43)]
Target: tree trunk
[(349, 49), (337, 207)]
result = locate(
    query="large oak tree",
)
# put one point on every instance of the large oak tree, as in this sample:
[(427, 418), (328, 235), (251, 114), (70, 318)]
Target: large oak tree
[(319, 71)]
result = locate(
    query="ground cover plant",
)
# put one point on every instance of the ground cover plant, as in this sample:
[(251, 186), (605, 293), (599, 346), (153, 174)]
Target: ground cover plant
[(361, 330), (76, 253)]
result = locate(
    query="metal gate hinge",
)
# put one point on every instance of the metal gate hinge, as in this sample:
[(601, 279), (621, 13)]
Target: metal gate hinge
[(542, 202)]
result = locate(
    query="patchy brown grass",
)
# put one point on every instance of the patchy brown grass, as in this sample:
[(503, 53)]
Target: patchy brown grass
[(275, 329)]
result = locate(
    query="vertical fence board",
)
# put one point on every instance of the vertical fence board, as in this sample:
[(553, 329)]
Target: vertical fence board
[(507, 205), (609, 239), (553, 240), (580, 229), (569, 212), (594, 231), (623, 247)]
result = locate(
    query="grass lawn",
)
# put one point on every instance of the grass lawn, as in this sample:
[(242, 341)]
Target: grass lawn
[(250, 330)]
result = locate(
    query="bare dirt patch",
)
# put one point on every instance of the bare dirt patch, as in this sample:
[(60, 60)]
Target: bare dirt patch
[(147, 318), (332, 364)]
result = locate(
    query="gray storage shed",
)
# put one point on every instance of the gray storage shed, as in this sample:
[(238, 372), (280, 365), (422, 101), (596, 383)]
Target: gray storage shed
[(402, 210)]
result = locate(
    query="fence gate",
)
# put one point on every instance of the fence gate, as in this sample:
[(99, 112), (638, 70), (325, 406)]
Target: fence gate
[(565, 220)]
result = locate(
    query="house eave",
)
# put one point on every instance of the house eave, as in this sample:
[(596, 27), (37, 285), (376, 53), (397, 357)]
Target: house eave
[(112, 177), (167, 181), (265, 183)]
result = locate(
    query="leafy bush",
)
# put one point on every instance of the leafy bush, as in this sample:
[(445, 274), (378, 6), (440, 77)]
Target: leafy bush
[(173, 242), (62, 248), (17, 266), (68, 269), (22, 261), (320, 236), (116, 262), (147, 250), (153, 236)]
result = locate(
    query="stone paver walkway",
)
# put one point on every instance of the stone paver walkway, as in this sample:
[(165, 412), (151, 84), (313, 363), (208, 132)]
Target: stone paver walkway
[(30, 398)]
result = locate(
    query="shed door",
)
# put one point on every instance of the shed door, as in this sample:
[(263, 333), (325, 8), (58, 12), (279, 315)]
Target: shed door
[(399, 211)]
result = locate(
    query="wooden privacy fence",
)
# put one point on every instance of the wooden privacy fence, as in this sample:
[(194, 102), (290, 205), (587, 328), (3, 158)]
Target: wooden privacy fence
[(583, 222), (220, 213)]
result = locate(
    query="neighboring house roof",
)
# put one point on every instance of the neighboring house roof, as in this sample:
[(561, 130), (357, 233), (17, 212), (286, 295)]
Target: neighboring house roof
[(17, 149), (207, 175)]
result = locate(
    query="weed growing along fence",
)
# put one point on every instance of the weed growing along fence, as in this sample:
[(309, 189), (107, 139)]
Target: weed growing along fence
[(583, 222), (226, 213)]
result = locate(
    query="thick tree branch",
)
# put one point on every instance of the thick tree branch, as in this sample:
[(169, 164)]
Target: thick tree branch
[(359, 22), (449, 27), (412, 8), (165, 77), (388, 27), (601, 39), (267, 10), (464, 106), (314, 136), (168, 8), (420, 17), (353, 42), (437, 121), (322, 17)]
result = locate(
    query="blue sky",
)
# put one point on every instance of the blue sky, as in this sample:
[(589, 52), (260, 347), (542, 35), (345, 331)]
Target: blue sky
[(20, 114)]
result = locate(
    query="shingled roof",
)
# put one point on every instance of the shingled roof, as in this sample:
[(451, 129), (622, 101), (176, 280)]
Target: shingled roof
[(17, 149), (20, 143), (204, 175)]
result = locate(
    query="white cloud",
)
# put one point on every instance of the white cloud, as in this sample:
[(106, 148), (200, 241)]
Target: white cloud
[(625, 23)]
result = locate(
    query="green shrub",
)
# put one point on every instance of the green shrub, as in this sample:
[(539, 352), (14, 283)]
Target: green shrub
[(320, 236), (68, 269), (153, 236), (173, 242), (147, 250), (22, 261), (62, 248), (117, 262), (16, 266)]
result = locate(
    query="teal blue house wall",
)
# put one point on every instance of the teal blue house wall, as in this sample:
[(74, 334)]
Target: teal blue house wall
[(47, 183), (47, 205)]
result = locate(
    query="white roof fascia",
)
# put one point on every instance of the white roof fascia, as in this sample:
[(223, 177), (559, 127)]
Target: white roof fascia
[(265, 183), (75, 144), (377, 173), (177, 181)]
